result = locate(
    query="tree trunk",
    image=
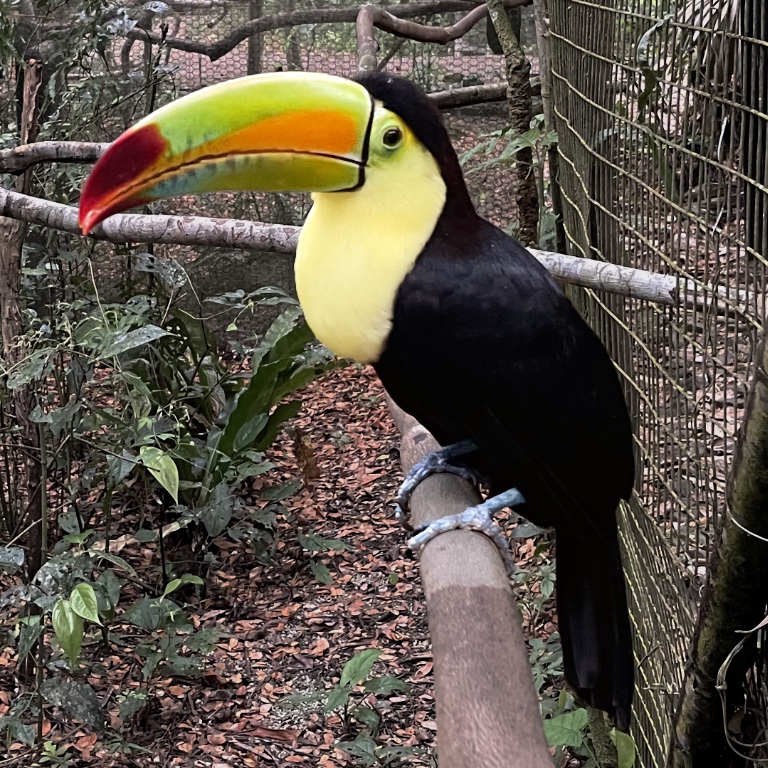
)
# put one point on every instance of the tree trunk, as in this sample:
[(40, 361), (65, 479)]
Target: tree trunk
[(735, 596), (520, 115), (12, 234), (255, 42)]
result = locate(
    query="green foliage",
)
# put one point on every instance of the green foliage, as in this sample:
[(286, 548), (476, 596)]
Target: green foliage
[(145, 410), (53, 755), (313, 543), (354, 697), (501, 147)]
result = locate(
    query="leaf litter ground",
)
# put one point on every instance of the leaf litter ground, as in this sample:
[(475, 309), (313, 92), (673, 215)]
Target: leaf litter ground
[(284, 633)]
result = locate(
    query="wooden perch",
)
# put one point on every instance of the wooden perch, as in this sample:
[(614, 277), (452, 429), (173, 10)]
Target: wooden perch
[(487, 707), (18, 159)]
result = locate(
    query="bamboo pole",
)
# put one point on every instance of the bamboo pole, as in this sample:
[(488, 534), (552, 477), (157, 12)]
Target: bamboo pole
[(487, 708)]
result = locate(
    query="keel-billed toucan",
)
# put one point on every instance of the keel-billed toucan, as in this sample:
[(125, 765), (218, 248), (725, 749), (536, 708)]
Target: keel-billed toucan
[(467, 331)]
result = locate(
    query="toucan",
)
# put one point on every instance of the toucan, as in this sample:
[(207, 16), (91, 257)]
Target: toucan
[(465, 328)]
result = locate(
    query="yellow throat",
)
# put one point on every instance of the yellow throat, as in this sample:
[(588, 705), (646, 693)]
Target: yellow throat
[(356, 248)]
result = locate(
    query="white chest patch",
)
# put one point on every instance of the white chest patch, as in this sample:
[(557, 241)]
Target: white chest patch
[(356, 249)]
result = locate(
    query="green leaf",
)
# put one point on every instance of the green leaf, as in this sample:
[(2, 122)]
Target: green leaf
[(566, 730), (363, 747), (109, 589), (338, 697), (151, 614), (359, 666), (131, 703), (120, 466), (248, 432), (84, 603), (625, 748), (78, 700), (217, 513), (313, 542), (162, 468), (11, 559), (68, 627), (18, 730), (35, 366), (385, 684), (174, 584), (28, 635), (123, 342), (368, 717), (320, 572), (114, 559), (282, 491)]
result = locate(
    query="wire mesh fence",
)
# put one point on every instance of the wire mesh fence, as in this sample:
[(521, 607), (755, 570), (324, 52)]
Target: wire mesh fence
[(660, 113)]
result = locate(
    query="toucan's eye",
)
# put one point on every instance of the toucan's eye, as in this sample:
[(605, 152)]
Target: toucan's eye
[(392, 137)]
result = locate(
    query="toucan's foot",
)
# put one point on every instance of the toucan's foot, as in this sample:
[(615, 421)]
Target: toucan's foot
[(479, 518), (432, 464)]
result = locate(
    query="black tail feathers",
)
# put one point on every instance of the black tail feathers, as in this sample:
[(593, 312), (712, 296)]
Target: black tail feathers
[(594, 623)]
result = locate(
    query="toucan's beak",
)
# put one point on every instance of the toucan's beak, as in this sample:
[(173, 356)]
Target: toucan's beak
[(278, 132)]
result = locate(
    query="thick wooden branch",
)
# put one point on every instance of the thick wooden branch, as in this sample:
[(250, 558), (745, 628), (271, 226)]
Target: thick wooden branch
[(221, 47), (253, 236), (487, 707), (467, 96), (371, 16)]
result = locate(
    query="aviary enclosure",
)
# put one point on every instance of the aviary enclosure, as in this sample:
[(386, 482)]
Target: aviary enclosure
[(660, 112)]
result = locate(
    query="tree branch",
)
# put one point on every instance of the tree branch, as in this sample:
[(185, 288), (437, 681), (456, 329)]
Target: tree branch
[(19, 159), (371, 16), (221, 47), (145, 228), (254, 236)]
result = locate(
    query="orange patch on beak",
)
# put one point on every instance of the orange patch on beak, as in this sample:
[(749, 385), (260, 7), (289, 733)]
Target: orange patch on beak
[(315, 132)]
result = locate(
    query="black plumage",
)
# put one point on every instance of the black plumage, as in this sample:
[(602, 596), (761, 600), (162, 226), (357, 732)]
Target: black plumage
[(485, 346)]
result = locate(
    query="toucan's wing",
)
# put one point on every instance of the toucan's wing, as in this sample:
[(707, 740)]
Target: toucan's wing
[(485, 345)]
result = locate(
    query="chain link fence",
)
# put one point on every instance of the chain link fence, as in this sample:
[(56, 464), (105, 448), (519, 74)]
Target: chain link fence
[(661, 119)]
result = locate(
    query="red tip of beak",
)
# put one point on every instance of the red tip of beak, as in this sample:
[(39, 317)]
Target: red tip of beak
[(114, 183)]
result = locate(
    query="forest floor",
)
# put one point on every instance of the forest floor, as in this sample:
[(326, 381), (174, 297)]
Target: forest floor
[(282, 632)]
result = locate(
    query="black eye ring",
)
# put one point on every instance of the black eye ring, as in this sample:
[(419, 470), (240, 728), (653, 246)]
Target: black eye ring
[(392, 137)]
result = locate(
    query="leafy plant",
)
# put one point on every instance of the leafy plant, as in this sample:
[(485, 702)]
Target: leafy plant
[(138, 406), (501, 147), (313, 543), (355, 698)]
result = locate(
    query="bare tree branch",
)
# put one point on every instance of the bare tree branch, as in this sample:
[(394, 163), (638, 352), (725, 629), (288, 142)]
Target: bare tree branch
[(460, 97), (254, 236), (18, 159), (371, 16), (145, 228), (221, 47)]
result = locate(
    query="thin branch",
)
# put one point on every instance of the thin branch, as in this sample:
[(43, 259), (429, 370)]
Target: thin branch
[(254, 236), (221, 47), (371, 17)]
